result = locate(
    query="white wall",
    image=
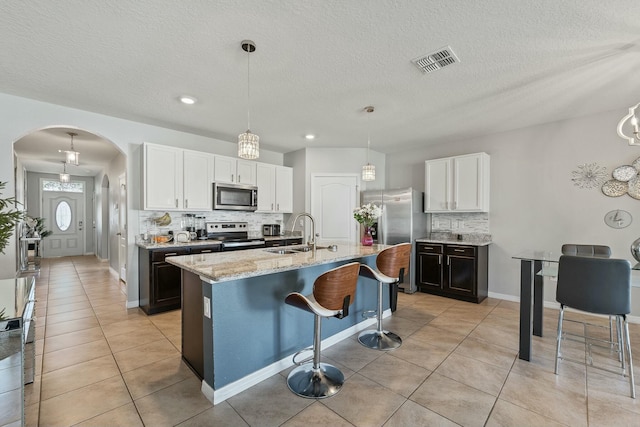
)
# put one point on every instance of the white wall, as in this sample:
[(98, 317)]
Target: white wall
[(534, 204), (22, 116), (331, 160)]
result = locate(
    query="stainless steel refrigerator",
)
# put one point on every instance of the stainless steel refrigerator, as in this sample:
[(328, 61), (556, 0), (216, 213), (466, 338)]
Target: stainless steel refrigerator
[(403, 220)]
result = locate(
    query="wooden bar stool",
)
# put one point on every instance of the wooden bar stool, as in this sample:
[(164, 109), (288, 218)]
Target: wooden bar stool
[(333, 293), (392, 264)]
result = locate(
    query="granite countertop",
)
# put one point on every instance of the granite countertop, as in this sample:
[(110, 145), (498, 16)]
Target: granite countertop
[(472, 239), (211, 242), (227, 266), (172, 244)]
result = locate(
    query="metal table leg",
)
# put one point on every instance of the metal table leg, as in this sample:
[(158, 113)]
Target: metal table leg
[(526, 314)]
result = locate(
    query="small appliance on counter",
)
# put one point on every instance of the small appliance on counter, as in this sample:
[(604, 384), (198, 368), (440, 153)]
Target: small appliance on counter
[(181, 236), (201, 228), (189, 222), (271, 230)]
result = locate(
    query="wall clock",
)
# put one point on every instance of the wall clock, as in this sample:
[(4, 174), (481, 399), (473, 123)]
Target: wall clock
[(618, 218)]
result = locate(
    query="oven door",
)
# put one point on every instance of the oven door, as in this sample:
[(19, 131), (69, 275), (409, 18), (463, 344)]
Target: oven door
[(235, 197)]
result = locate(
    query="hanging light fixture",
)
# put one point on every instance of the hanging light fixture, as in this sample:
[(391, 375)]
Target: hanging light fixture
[(248, 143), (64, 176), (633, 121), (73, 157), (368, 170)]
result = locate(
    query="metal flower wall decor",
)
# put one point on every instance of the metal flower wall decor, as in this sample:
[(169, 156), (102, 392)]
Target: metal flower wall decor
[(589, 175), (626, 180)]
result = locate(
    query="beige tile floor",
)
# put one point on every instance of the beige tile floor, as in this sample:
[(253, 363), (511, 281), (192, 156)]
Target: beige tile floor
[(99, 364)]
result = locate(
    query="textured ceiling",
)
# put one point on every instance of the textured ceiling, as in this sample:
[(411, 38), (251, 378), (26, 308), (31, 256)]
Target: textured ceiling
[(317, 64)]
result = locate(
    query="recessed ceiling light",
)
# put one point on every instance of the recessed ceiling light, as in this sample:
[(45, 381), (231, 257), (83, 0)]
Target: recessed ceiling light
[(189, 100), (309, 136)]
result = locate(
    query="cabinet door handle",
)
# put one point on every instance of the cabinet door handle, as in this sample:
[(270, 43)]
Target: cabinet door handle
[(186, 203), (231, 177), (458, 250), (206, 251), (455, 205), (428, 247), (278, 207), (439, 259), (170, 254), (176, 203), (239, 179), (271, 206), (447, 260)]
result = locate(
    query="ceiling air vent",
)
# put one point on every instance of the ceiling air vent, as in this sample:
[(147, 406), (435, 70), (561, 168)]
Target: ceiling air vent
[(435, 60)]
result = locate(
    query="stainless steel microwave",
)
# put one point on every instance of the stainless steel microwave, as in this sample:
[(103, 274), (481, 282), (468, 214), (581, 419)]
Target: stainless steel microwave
[(234, 197)]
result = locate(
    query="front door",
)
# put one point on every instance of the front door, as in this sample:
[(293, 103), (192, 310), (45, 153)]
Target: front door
[(64, 216), (333, 198)]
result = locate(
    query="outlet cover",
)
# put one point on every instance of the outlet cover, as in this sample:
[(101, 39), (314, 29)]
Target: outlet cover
[(207, 307)]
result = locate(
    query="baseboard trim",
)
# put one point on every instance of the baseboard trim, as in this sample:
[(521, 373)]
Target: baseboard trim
[(553, 305), (230, 390), (133, 304)]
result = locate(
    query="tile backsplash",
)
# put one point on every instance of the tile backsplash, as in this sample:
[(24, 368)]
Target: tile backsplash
[(255, 220), (468, 222)]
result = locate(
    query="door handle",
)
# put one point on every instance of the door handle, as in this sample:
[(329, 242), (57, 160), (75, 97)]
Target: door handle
[(118, 234)]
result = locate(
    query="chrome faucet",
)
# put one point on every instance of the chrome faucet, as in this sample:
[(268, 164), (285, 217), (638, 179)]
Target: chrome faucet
[(313, 228)]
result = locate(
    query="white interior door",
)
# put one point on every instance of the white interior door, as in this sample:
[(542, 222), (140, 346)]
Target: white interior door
[(122, 228), (65, 218), (333, 198)]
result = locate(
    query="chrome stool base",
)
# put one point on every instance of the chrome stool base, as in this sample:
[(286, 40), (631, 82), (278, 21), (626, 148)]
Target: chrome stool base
[(305, 381), (380, 340)]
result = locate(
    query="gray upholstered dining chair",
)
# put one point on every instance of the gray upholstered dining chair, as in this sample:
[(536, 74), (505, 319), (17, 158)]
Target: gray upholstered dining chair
[(600, 286), (592, 250)]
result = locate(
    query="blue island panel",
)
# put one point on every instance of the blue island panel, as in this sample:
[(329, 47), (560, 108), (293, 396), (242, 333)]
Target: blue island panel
[(252, 327)]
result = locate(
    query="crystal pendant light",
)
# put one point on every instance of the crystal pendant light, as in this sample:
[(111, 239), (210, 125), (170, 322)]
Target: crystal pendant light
[(368, 170), (73, 157), (64, 176), (248, 143)]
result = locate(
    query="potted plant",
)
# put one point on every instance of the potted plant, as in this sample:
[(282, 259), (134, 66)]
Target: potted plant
[(9, 217)]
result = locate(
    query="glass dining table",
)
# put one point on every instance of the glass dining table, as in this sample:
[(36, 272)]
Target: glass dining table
[(534, 266)]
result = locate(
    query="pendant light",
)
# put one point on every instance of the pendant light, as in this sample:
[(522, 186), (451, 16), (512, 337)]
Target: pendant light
[(248, 143), (64, 176), (73, 157), (368, 170)]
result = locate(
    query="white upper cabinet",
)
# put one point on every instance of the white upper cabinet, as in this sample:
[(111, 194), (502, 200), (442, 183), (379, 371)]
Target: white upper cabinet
[(275, 188), (197, 180), (176, 179), (162, 178), (457, 184), (228, 169)]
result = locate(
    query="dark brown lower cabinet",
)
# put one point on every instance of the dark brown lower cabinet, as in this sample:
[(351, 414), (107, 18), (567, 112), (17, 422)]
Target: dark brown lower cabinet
[(192, 322), (159, 282), (456, 271), (283, 242)]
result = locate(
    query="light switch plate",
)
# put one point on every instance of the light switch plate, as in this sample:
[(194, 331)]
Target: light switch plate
[(207, 307)]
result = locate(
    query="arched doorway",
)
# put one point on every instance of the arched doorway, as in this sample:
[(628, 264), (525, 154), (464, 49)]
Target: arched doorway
[(41, 153)]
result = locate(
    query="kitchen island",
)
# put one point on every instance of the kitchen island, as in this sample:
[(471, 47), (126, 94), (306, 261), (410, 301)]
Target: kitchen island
[(236, 328)]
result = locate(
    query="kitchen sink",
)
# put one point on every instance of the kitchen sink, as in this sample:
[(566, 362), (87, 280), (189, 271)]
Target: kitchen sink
[(282, 251), (299, 249)]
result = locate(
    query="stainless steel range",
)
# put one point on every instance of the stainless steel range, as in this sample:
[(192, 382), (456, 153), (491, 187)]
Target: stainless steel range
[(234, 235)]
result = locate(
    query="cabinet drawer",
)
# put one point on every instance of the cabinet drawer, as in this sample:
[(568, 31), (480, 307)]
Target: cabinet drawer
[(205, 249), (428, 248), (461, 250), (160, 255)]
